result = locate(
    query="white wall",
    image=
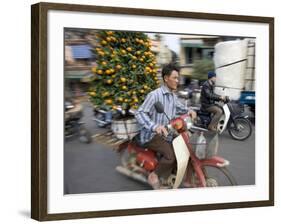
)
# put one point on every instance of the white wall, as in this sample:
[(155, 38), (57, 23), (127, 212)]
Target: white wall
[(15, 111)]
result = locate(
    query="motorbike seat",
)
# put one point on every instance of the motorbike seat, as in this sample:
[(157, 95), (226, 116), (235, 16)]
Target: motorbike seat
[(141, 147), (136, 140)]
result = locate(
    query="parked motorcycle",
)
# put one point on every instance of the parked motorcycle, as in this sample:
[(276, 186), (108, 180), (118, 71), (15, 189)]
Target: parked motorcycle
[(104, 118), (190, 96), (137, 161), (73, 125)]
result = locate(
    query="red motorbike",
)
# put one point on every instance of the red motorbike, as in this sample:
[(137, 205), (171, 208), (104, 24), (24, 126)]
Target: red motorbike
[(137, 162)]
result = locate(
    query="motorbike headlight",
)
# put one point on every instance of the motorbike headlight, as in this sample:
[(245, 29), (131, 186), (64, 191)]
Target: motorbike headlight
[(178, 123)]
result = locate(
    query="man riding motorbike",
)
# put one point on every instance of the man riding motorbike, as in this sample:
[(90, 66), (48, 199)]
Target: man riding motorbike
[(208, 98), (153, 123)]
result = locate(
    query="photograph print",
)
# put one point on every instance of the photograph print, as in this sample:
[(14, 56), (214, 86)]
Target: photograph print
[(148, 111)]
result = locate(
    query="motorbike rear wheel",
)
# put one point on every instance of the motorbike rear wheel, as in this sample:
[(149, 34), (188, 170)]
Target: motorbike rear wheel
[(130, 168), (242, 130)]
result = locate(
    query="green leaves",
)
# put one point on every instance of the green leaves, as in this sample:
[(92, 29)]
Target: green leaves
[(201, 69)]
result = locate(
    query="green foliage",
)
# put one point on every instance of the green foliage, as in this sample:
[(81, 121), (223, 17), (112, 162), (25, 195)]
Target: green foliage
[(126, 70), (201, 69)]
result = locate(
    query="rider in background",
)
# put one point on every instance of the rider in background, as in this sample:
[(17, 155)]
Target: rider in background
[(208, 98)]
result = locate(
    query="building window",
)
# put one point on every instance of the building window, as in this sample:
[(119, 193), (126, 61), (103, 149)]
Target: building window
[(211, 54), (189, 55), (208, 53), (198, 53)]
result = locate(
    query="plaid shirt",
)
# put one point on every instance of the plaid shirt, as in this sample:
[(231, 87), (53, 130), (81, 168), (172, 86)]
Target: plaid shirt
[(149, 119)]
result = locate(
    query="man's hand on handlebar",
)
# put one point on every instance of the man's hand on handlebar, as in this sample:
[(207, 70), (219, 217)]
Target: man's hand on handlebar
[(222, 98), (161, 130), (192, 114)]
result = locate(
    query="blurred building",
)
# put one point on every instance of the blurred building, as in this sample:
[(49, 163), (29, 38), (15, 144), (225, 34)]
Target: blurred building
[(194, 48), (79, 59), (164, 55)]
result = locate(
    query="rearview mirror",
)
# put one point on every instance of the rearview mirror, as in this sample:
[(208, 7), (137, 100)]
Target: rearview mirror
[(159, 107)]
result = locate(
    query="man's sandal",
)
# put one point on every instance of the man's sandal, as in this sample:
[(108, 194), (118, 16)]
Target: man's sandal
[(153, 181)]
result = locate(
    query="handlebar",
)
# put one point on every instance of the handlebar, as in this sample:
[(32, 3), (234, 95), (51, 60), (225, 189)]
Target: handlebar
[(181, 123), (198, 128)]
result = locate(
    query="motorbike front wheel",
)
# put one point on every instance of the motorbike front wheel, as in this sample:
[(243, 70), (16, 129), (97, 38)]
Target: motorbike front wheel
[(242, 130), (218, 176), (214, 176)]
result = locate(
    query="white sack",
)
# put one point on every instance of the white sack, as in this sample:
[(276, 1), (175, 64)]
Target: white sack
[(230, 79)]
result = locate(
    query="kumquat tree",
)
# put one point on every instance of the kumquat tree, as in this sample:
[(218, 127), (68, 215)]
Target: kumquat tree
[(126, 70)]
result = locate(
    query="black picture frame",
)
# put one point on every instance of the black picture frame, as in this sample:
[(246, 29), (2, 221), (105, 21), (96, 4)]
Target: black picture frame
[(39, 106)]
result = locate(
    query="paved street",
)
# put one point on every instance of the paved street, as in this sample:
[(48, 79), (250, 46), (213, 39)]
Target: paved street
[(90, 168)]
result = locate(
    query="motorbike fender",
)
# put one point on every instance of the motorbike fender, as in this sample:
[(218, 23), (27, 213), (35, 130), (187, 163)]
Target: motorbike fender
[(240, 116), (182, 156), (224, 119)]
